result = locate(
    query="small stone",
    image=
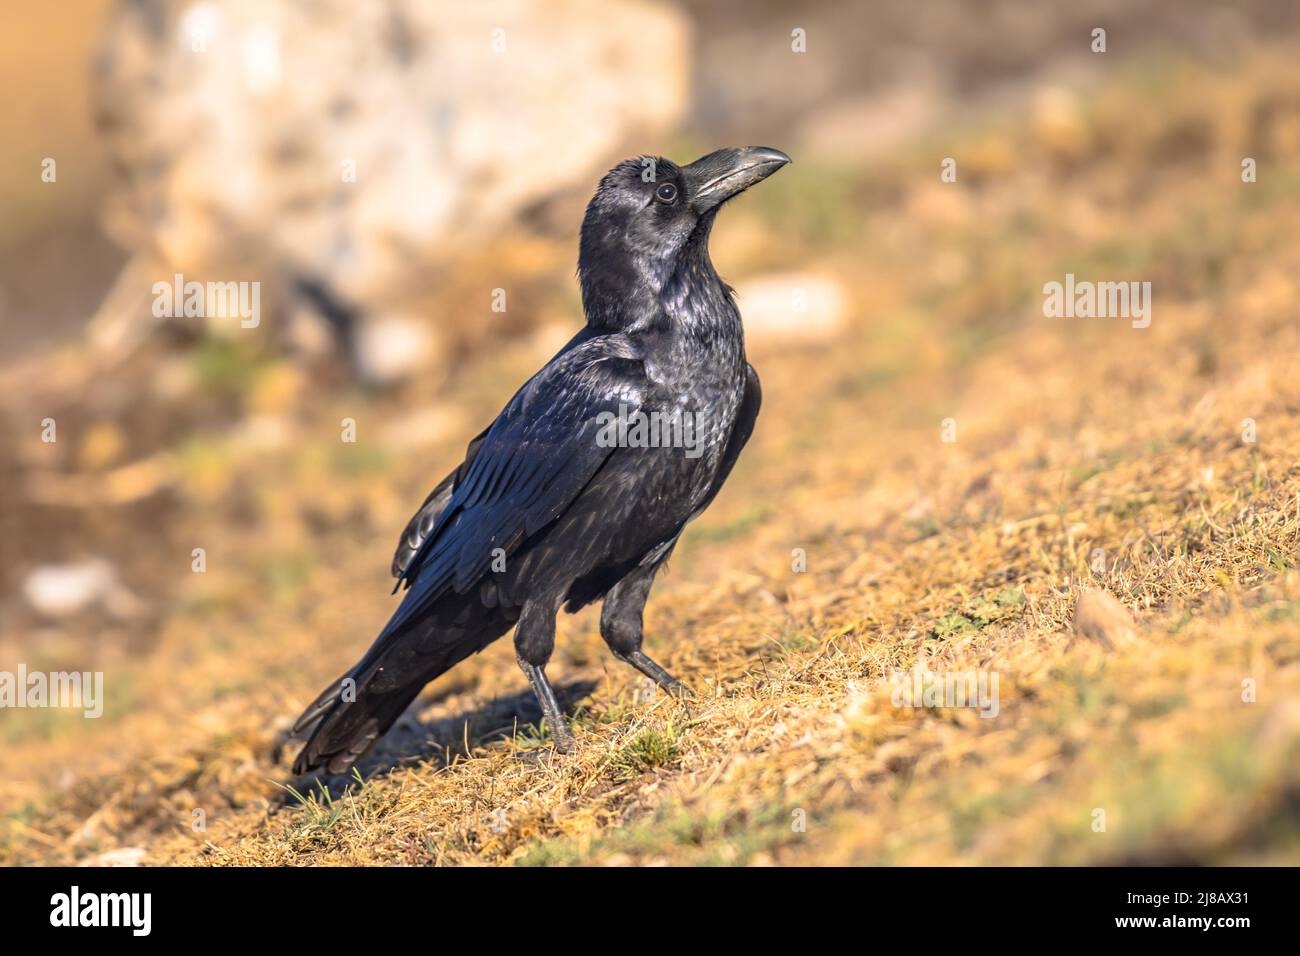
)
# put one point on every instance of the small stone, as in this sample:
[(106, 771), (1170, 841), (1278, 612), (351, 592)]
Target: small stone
[(391, 349), (123, 856), (1099, 617), (60, 590), (792, 306)]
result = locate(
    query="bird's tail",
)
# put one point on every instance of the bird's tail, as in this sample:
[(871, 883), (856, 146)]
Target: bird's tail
[(356, 710), (348, 725)]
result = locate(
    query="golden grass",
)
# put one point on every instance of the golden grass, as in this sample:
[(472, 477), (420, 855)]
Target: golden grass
[(1073, 436)]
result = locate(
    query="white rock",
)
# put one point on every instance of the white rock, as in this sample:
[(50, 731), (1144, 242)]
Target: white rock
[(362, 145), (791, 306), (123, 856), (59, 590), (389, 348)]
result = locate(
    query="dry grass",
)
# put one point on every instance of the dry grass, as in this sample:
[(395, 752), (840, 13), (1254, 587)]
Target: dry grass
[(1073, 435)]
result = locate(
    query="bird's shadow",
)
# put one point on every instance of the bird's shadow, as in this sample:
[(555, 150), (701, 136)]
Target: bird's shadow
[(439, 741)]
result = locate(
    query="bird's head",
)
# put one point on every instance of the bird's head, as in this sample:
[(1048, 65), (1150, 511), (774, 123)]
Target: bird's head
[(651, 216)]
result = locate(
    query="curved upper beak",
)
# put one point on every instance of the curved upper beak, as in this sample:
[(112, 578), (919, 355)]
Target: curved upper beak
[(721, 175)]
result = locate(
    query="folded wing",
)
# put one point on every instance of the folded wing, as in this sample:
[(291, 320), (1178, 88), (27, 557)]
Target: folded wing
[(525, 471)]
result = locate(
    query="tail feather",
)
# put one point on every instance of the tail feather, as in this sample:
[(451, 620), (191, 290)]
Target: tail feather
[(350, 718), (348, 730), (318, 708)]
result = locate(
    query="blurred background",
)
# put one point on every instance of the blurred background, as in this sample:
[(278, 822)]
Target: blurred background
[(381, 169)]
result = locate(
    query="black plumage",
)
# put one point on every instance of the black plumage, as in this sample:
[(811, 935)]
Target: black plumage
[(545, 511)]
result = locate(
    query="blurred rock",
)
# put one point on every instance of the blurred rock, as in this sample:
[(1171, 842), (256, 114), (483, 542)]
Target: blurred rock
[(1099, 617), (61, 590), (122, 856), (791, 307), (1059, 124), (389, 348), (345, 153)]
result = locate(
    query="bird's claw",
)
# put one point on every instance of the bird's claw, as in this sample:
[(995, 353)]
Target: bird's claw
[(642, 662), (562, 737)]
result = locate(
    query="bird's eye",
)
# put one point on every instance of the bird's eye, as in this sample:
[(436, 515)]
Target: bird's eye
[(667, 192)]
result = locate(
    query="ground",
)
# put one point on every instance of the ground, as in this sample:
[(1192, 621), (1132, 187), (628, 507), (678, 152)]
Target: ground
[(937, 487)]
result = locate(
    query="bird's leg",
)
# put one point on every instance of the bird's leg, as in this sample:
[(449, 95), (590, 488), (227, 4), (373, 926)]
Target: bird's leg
[(534, 641), (560, 732), (622, 627)]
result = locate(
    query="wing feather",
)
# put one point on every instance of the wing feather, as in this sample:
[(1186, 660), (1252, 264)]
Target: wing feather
[(530, 465)]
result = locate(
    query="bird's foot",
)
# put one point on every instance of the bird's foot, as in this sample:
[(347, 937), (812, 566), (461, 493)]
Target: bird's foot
[(561, 735), (667, 681)]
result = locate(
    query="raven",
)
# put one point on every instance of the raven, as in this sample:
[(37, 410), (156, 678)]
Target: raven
[(552, 507)]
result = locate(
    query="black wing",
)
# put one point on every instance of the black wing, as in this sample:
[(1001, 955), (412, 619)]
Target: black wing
[(422, 522), (532, 463)]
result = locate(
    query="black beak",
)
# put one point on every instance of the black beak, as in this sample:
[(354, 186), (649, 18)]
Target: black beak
[(721, 175)]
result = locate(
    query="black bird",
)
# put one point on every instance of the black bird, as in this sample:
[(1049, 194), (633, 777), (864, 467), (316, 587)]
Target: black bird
[(552, 506)]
